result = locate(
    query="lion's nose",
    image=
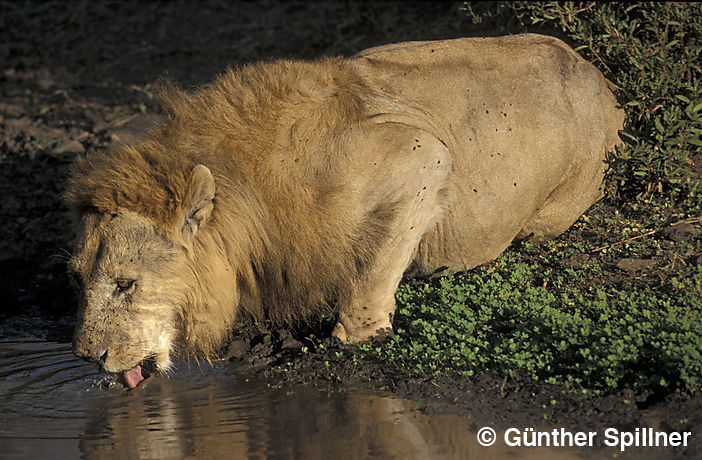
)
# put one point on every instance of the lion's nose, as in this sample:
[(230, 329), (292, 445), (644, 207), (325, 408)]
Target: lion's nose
[(90, 352)]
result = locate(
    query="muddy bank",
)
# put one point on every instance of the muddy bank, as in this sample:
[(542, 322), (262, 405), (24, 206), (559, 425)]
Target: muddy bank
[(498, 402)]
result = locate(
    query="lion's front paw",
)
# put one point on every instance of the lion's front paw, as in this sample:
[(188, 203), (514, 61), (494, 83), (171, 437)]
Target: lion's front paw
[(365, 334)]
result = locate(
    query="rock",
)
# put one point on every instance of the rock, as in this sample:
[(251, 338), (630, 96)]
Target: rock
[(287, 340), (291, 342), (71, 146), (681, 232), (578, 261), (11, 110), (237, 349), (635, 265), (100, 127), (129, 129), (45, 83)]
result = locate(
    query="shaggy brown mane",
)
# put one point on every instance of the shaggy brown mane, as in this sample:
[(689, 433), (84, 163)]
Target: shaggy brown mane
[(229, 114)]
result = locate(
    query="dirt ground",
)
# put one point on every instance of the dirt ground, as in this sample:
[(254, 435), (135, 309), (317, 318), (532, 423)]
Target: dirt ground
[(76, 76)]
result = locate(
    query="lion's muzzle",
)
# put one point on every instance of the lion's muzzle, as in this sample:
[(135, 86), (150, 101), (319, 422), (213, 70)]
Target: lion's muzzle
[(87, 349)]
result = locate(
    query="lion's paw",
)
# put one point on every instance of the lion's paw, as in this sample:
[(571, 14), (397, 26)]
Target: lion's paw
[(380, 334)]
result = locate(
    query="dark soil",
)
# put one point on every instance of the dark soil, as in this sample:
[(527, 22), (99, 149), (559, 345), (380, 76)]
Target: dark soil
[(77, 76)]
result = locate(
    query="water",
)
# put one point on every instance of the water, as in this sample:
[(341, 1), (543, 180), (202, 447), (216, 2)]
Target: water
[(54, 405)]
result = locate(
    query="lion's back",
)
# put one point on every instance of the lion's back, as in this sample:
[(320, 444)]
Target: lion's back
[(521, 116)]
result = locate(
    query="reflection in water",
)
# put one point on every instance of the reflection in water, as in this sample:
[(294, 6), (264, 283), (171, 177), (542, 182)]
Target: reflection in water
[(55, 405)]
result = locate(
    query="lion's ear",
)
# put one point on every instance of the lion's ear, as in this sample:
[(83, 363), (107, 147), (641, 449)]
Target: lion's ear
[(198, 203)]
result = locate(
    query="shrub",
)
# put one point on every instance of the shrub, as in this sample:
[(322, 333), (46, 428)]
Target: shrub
[(651, 51)]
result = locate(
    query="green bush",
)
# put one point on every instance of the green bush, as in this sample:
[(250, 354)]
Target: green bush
[(651, 51)]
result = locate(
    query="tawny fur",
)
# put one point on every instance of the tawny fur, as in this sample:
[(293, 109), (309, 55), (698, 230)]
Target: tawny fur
[(311, 198)]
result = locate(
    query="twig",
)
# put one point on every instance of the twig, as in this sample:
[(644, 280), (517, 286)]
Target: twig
[(588, 7), (689, 220), (114, 124)]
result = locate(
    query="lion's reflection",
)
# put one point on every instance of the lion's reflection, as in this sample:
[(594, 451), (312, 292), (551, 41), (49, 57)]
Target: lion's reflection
[(168, 419)]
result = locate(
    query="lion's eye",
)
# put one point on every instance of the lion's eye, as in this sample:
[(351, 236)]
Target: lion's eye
[(124, 285)]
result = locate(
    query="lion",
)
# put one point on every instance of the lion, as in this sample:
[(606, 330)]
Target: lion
[(288, 188)]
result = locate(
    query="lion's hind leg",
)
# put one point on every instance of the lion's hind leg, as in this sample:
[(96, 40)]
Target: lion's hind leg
[(566, 203)]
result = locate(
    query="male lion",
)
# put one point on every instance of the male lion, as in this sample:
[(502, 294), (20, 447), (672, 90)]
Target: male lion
[(288, 187)]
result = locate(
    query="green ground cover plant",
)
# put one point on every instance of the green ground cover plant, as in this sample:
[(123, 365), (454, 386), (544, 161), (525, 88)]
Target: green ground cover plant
[(510, 318)]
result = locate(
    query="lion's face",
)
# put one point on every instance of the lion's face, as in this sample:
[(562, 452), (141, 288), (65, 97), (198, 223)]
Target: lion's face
[(135, 280), (128, 278)]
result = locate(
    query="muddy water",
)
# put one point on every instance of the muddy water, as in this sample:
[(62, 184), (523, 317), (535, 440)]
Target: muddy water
[(53, 405)]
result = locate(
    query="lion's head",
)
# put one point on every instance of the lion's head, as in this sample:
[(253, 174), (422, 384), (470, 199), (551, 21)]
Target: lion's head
[(134, 276)]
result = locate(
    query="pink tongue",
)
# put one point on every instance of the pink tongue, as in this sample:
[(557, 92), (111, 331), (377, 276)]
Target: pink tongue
[(133, 376)]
